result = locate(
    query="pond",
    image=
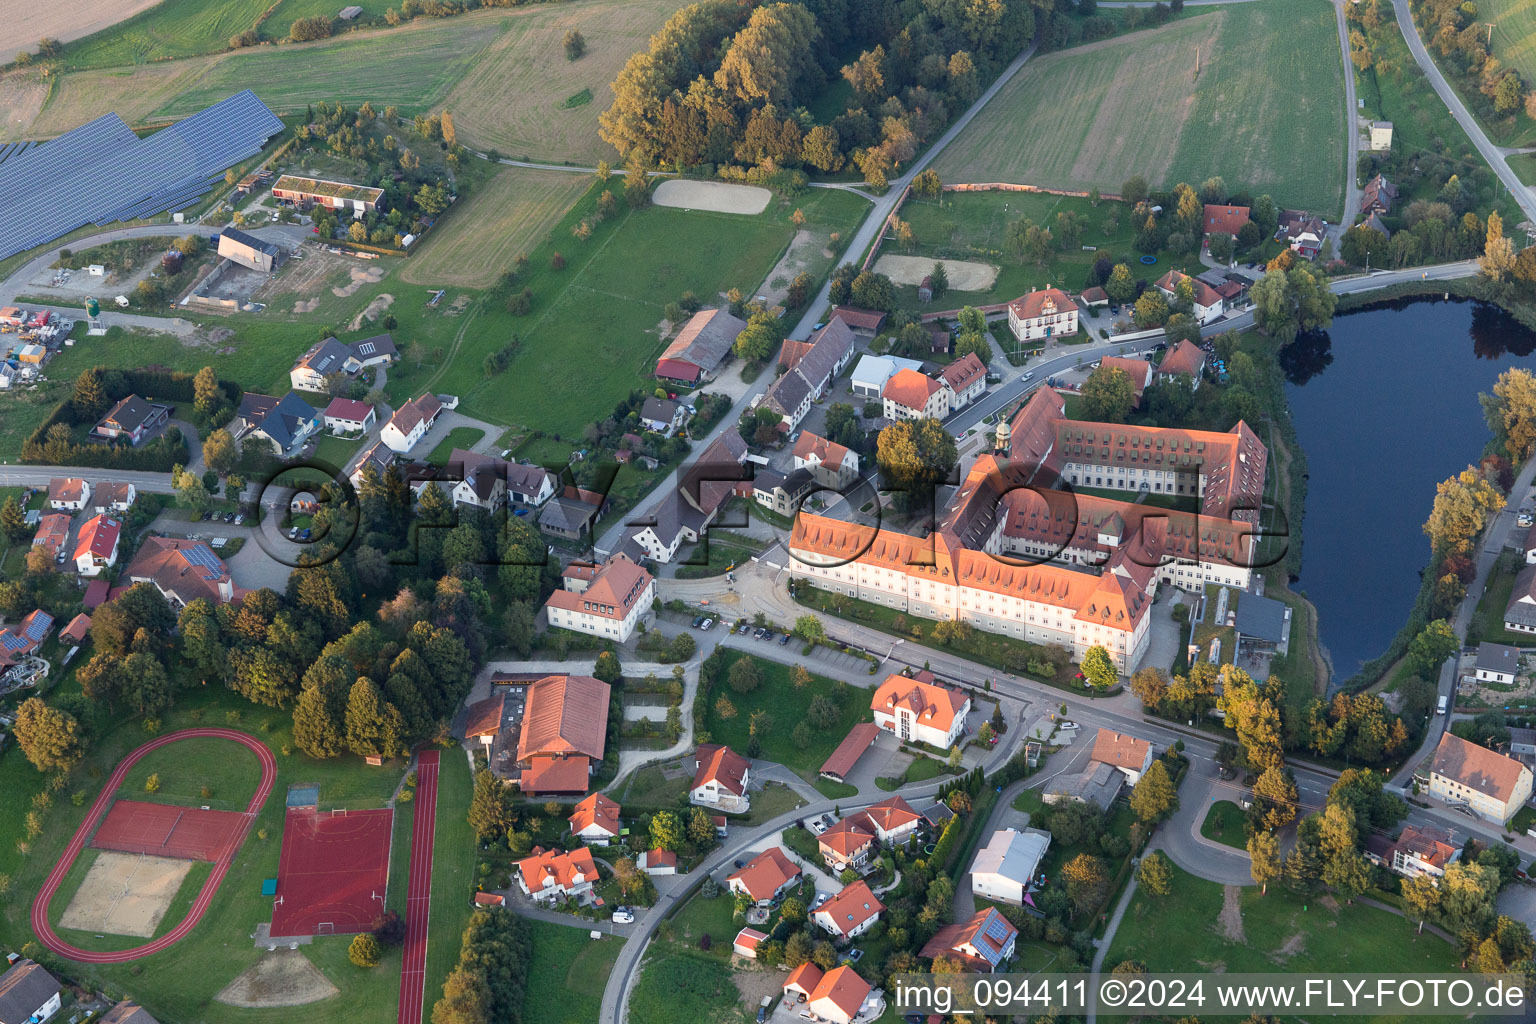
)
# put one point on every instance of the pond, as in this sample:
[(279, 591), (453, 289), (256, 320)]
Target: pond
[(1385, 406)]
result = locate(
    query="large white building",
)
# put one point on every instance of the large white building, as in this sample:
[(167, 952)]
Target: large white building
[(1048, 313), (916, 708), (910, 395), (1004, 868), (1486, 783), (608, 600), (1014, 555)]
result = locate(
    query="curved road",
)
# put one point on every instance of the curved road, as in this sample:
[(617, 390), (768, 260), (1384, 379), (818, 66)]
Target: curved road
[(44, 930)]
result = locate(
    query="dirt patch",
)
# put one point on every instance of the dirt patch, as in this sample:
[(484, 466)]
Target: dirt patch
[(306, 305), (373, 311), (360, 276), (964, 275), (1230, 923), (283, 977), (802, 249), (1293, 945), (753, 982), (62, 20), (1330, 904), (714, 196), (457, 306), (125, 894)]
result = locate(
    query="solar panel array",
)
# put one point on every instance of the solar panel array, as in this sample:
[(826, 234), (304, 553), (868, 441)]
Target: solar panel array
[(38, 628), (202, 556), (102, 172), (11, 149)]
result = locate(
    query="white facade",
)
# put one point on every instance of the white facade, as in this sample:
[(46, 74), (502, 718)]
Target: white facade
[(1004, 868), (403, 442), (1053, 319), (73, 504), (907, 725), (345, 425), (597, 624)]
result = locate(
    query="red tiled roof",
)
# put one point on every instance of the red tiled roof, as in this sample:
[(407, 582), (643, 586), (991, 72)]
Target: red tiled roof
[(932, 704), (70, 489), (1136, 369), (164, 560), (422, 407), (565, 715), (96, 594), (676, 369), (98, 537), (909, 388), (843, 988), (559, 866), (1119, 750), (77, 628), (1229, 219), (748, 938), (963, 372), (1185, 357), (805, 977), (52, 531), (483, 718), (828, 453), (851, 907), (556, 775), (611, 593), (659, 858), (859, 319), (348, 409), (766, 873), (596, 810), (722, 765), (1045, 302), (1205, 295), (1476, 767), (851, 749)]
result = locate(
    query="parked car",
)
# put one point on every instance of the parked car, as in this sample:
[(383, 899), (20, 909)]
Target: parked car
[(784, 639), (757, 634), (623, 915), (239, 518), (698, 621), (743, 629), (767, 634), (740, 864), (708, 624), (304, 534), (293, 534)]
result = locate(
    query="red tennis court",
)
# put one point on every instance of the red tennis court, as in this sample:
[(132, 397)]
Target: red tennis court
[(165, 830), (333, 872)]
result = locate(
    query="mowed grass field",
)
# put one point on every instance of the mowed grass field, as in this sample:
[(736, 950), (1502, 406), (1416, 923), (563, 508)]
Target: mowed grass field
[(500, 221), (1266, 110), (511, 99), (1514, 32)]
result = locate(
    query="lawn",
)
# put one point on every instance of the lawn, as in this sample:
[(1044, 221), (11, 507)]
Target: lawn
[(676, 983), (712, 916), (780, 698), (647, 787), (179, 983), (453, 869), (1488, 620), (1097, 114), (592, 333), (229, 772), (335, 451), (1280, 932), (458, 437), (1224, 823), (567, 975), (974, 226)]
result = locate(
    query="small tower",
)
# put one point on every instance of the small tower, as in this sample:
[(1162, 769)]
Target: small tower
[(1004, 435)]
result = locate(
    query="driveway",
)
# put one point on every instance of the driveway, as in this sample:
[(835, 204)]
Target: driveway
[(251, 566), (1163, 632)]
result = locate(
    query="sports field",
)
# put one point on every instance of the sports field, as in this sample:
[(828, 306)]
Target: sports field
[(1265, 110), (505, 218)]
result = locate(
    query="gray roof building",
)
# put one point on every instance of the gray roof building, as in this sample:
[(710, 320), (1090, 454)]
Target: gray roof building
[(1260, 618), (1098, 784), (24, 989), (1498, 658)]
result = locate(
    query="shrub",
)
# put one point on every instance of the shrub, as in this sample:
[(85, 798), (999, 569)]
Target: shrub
[(364, 951), (315, 27), (152, 784)]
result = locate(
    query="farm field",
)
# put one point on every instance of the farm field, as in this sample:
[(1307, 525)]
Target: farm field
[(974, 226), (63, 20), (1242, 931), (179, 984), (1514, 32), (512, 98), (592, 333), (502, 220), (1099, 113)]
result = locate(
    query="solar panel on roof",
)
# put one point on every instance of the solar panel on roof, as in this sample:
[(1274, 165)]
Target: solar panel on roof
[(203, 557)]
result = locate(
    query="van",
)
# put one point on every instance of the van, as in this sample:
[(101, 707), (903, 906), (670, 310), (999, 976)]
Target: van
[(1440, 708)]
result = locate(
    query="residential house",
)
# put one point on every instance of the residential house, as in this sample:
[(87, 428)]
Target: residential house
[(78, 629), (1004, 869), (1128, 755), (595, 820), (918, 709), (721, 779), (833, 466), (966, 380), (821, 358), (871, 373), (1219, 219), (52, 533), (1522, 742), (1377, 197), (1139, 370), (564, 731), (1047, 313), (1093, 298), (132, 419), (349, 416), (1417, 851), (790, 396), (290, 189), (1186, 359), (782, 494), (843, 997), (684, 514), (1488, 784), (377, 350), (379, 457), (657, 862), (765, 877), (1098, 784), (183, 570), (110, 496), (1497, 663), (610, 600), (249, 251), (981, 945), (1520, 612), (550, 875), (285, 424), (1301, 231), (850, 913), (746, 942), (910, 395), (699, 347), (28, 994), (96, 546), (1208, 305), (1528, 546), (662, 415), (481, 479), (485, 720), (411, 422), (572, 515), (68, 493), (25, 637), (1231, 287), (127, 1012), (1381, 135), (852, 842), (325, 358), (802, 981)]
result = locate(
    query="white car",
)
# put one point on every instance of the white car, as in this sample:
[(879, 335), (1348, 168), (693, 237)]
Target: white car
[(622, 915)]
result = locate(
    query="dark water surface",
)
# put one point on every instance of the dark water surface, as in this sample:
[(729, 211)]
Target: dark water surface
[(1385, 405)]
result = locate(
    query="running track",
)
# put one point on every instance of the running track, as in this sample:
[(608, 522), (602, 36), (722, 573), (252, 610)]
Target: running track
[(40, 925), (418, 892)]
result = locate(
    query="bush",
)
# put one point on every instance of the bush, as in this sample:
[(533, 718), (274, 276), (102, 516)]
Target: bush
[(364, 951), (306, 29)]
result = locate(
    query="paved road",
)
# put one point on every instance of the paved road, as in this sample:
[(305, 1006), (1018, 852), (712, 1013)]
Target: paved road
[(38, 476), (418, 892), (1351, 133), (1490, 152)]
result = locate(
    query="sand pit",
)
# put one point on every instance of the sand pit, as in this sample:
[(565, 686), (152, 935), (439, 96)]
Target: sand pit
[(964, 276), (125, 894), (360, 277), (284, 977), (714, 196)]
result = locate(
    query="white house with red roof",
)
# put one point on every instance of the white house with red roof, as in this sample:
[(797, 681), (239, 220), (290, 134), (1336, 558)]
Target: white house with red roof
[(1123, 752), (52, 532), (917, 708), (595, 820), (1047, 313), (910, 395), (1208, 303), (765, 877), (721, 778), (657, 862), (610, 600), (746, 942), (965, 379), (549, 875), (349, 416), (1186, 359), (829, 463), (843, 997), (851, 842), (850, 913), (411, 422), (96, 547), (981, 944), (68, 494)]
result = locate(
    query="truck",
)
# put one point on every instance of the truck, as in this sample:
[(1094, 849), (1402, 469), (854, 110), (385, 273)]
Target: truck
[(1440, 708)]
